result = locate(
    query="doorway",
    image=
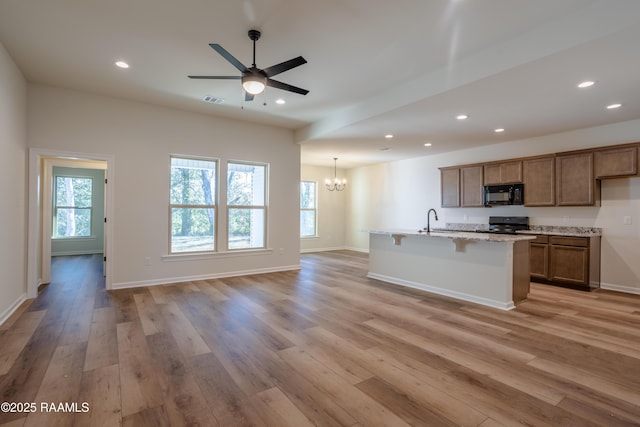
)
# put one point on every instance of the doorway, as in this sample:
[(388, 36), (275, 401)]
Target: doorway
[(42, 164)]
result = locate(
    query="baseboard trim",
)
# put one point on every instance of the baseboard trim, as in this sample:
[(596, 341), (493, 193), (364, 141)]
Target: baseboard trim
[(445, 292), (172, 280), (336, 248), (12, 308), (619, 288)]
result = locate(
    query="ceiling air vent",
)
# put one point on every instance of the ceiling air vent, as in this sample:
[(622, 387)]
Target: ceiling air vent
[(212, 99)]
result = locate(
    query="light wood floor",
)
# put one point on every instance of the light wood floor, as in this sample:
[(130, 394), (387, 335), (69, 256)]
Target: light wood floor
[(323, 346)]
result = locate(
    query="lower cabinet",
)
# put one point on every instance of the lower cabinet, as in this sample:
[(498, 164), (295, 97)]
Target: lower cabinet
[(566, 261)]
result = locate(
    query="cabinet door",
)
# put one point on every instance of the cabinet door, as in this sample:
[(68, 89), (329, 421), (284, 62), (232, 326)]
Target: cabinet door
[(539, 182), (503, 173), (450, 187), (575, 182), (492, 174), (616, 162), (511, 172), (471, 185), (569, 264), (539, 260)]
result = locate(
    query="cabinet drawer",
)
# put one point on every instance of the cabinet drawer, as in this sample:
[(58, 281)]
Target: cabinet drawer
[(569, 241), (541, 239)]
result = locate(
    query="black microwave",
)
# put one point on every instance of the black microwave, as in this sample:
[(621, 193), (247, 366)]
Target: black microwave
[(504, 194)]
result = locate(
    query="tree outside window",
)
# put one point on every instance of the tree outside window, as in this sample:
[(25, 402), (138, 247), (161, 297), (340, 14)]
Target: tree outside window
[(308, 209), (193, 205), (247, 205), (72, 207)]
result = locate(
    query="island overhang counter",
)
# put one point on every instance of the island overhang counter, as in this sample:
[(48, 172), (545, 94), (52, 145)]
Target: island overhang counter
[(488, 269)]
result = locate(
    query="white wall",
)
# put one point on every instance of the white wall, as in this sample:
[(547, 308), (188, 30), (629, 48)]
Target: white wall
[(398, 194), (141, 138), (13, 176), (331, 211)]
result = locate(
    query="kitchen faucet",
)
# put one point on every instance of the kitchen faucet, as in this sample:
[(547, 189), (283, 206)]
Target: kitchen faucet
[(429, 216)]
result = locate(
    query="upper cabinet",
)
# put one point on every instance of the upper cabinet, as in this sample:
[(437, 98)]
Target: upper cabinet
[(503, 172), (450, 187), (566, 179), (471, 186), (461, 186), (616, 162), (539, 181), (575, 181)]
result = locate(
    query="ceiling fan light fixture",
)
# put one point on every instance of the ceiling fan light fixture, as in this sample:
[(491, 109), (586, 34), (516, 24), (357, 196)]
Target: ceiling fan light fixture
[(253, 84)]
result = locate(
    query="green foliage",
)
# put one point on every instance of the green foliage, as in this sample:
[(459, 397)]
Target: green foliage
[(72, 216)]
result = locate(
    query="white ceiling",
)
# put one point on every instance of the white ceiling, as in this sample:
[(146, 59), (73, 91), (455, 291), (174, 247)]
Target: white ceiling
[(402, 67)]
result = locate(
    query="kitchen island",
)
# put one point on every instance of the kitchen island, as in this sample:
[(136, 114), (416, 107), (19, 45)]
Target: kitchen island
[(488, 269)]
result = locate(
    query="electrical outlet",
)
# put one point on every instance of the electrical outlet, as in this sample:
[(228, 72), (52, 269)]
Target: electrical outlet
[(147, 261), (627, 220), (565, 219)]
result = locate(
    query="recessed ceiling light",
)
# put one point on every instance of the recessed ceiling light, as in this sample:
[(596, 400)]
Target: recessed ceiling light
[(462, 117), (385, 149), (613, 106), (499, 130), (388, 136), (122, 64), (586, 83), (280, 101), (427, 144)]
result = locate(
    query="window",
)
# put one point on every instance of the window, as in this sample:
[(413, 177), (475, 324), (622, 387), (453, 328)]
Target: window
[(193, 205), (308, 209), (247, 205), (72, 207)]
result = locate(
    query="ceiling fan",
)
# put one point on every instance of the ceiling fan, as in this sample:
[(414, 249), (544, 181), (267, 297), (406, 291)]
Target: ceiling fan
[(255, 79)]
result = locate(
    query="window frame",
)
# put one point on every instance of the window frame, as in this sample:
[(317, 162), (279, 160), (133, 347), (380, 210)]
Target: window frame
[(215, 206), (314, 209), (264, 207), (55, 208)]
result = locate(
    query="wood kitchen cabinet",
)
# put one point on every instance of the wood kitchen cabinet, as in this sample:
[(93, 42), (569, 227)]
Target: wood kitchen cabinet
[(471, 186), (503, 172), (450, 187), (566, 261), (575, 181), (539, 181), (616, 162), (539, 258)]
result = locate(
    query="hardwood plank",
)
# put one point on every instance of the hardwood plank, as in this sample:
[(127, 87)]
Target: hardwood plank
[(149, 314), (150, 417), (102, 349), (100, 389), (59, 385), (285, 412), (365, 409), (17, 337), (189, 341)]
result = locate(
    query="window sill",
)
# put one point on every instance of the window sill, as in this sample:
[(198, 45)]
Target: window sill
[(309, 237), (213, 255)]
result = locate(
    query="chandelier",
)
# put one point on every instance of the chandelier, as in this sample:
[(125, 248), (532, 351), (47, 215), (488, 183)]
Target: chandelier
[(337, 185)]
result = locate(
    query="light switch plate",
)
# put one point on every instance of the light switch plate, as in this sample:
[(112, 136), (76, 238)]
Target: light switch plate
[(626, 220)]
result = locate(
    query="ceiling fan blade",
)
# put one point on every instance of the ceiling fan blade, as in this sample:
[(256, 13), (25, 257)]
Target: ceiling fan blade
[(216, 77), (226, 55), (284, 66), (248, 96), (284, 86)]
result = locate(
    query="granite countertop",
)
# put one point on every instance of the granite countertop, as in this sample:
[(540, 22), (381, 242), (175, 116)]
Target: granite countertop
[(533, 229), (454, 234)]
